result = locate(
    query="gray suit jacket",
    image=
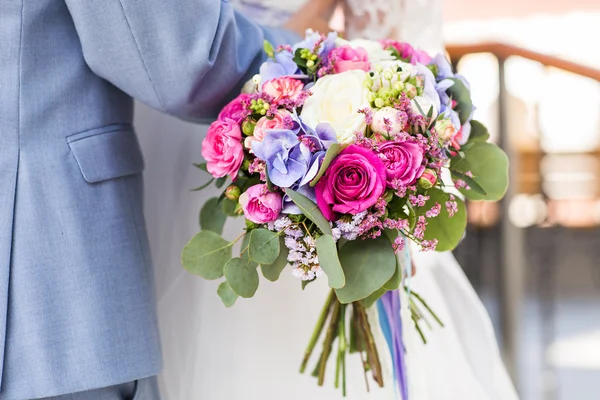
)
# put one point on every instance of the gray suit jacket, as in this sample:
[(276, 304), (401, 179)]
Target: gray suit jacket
[(76, 294)]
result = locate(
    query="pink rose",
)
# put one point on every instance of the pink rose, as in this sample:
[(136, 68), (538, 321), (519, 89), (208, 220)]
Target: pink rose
[(354, 182), (407, 52), (402, 162), (348, 58), (235, 110), (222, 148), (264, 124), (260, 205), (283, 88)]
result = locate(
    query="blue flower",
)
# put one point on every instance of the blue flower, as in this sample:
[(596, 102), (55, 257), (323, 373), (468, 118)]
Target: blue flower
[(287, 158), (322, 137), (311, 40), (282, 65)]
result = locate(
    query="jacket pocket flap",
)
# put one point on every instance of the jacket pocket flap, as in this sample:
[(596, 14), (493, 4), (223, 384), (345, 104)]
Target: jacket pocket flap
[(107, 153)]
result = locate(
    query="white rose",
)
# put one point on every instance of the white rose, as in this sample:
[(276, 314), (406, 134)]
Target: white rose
[(336, 100), (425, 104), (389, 115), (375, 50)]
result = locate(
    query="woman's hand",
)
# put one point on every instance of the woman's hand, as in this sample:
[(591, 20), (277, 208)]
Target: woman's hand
[(315, 15)]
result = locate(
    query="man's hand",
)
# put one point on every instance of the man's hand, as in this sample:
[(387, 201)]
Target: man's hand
[(315, 15)]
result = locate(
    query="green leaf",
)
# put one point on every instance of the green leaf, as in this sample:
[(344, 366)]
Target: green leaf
[(202, 166), (206, 255), (328, 258), (203, 186), (263, 246), (447, 230), (473, 185), (242, 276), (331, 154), (479, 132), (310, 210), (273, 271), (227, 295), (367, 265), (372, 298), (212, 217), (489, 166), (229, 207), (462, 95), (269, 50), (270, 185), (220, 182), (396, 279)]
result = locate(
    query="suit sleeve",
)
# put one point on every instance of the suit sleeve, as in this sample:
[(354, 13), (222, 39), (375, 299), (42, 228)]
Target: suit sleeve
[(183, 57)]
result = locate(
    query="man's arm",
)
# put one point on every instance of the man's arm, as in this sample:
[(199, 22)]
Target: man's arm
[(183, 57)]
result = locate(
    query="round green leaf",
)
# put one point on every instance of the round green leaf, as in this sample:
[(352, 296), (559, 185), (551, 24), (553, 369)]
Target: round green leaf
[(447, 230), (229, 207), (367, 265), (212, 217), (206, 255), (263, 246), (489, 166), (479, 132), (272, 271), (227, 295), (328, 258), (396, 279), (242, 276), (310, 210)]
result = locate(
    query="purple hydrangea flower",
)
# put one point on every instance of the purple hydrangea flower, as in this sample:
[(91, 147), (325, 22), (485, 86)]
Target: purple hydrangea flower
[(282, 65)]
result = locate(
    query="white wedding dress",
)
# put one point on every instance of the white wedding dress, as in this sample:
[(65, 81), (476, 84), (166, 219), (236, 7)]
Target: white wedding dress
[(253, 350)]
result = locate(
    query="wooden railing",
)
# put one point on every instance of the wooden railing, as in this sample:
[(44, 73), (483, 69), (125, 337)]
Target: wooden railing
[(513, 260), (504, 51)]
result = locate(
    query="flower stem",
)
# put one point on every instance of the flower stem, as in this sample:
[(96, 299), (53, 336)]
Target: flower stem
[(372, 356), (416, 295), (317, 331), (342, 346), (329, 337)]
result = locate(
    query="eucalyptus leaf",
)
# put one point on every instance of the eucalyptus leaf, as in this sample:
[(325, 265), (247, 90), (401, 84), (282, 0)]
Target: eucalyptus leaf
[(489, 166), (228, 207), (396, 279), (212, 217), (330, 155), (462, 95), (447, 230), (479, 132), (310, 210), (472, 183), (242, 276), (263, 246), (273, 271), (227, 295), (328, 258), (207, 184), (269, 50), (373, 297), (206, 255), (367, 265)]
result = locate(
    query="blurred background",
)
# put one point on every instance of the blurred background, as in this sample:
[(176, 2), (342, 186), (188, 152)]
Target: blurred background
[(534, 67)]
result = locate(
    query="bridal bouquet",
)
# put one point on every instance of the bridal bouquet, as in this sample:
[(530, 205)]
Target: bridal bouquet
[(338, 154)]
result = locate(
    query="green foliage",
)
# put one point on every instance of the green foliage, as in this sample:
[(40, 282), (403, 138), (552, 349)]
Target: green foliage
[(479, 132), (212, 217), (269, 50), (202, 187), (367, 265), (229, 206), (331, 154), (220, 182), (328, 258), (310, 210), (227, 295), (206, 255), (447, 230), (273, 271), (373, 297), (489, 166), (242, 276), (263, 246), (461, 94)]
